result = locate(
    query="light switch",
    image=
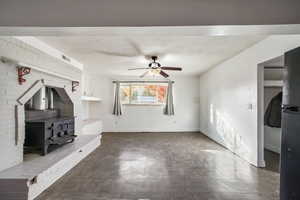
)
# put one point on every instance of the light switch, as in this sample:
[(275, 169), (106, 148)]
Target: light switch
[(250, 106)]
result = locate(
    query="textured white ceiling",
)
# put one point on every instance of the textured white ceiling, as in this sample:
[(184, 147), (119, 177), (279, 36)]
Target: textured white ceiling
[(113, 55)]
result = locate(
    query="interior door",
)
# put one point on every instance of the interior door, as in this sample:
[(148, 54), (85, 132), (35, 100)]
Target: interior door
[(290, 148)]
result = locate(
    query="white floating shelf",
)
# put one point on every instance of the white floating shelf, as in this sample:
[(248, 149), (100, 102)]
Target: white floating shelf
[(90, 98)]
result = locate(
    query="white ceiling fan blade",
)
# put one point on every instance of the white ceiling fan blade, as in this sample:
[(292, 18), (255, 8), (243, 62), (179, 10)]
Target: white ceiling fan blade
[(115, 54), (138, 68), (136, 47), (106, 53), (144, 74)]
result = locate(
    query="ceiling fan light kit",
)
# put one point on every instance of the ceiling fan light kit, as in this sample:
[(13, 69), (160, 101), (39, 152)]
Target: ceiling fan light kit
[(155, 68)]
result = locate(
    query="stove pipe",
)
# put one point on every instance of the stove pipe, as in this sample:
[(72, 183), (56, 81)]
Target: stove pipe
[(43, 99), (39, 100), (50, 98)]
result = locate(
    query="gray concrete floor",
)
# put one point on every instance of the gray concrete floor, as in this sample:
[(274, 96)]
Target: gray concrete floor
[(163, 166)]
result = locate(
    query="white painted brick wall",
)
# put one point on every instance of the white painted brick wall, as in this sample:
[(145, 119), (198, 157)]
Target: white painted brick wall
[(10, 90)]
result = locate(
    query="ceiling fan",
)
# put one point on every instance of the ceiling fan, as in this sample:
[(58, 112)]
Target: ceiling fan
[(155, 67)]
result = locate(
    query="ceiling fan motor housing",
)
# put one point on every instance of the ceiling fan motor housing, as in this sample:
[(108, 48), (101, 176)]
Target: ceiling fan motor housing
[(154, 64), (156, 68)]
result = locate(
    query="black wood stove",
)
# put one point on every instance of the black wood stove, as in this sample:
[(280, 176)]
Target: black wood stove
[(48, 134), (49, 121)]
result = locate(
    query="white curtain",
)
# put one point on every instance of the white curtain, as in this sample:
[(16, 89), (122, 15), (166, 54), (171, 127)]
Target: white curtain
[(117, 110), (169, 109)]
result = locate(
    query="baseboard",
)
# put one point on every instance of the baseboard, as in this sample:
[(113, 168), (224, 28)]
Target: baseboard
[(252, 161), (261, 163), (151, 130)]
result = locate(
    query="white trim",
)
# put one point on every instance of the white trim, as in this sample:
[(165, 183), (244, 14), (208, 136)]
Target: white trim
[(212, 30), (260, 116), (30, 92), (42, 46), (261, 84), (262, 163)]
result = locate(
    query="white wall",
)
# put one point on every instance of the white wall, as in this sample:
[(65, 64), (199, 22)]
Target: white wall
[(10, 90), (228, 96), (147, 118)]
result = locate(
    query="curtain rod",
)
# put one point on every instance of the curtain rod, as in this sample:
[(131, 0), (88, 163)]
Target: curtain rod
[(142, 81)]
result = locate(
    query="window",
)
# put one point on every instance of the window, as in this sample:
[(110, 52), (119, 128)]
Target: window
[(144, 94)]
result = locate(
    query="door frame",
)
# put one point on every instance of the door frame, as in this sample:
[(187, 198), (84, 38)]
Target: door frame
[(274, 62)]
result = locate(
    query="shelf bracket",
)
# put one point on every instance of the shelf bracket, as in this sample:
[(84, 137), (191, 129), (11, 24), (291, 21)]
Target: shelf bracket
[(74, 85), (22, 71)]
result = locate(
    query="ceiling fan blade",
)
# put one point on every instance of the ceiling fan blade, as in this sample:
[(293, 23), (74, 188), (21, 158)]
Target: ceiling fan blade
[(138, 68), (144, 74), (164, 74), (172, 68), (136, 47), (114, 53)]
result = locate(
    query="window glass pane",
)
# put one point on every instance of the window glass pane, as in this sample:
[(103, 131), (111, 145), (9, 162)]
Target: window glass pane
[(162, 91), (143, 94), (125, 93)]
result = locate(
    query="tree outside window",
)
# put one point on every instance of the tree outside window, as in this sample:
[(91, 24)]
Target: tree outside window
[(153, 94)]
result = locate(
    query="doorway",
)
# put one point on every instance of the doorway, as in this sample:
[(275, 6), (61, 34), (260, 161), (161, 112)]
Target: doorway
[(270, 84), (273, 83)]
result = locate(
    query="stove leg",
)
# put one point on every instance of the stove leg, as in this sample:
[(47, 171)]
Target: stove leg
[(45, 150)]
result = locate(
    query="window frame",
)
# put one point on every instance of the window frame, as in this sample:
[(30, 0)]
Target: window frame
[(157, 103)]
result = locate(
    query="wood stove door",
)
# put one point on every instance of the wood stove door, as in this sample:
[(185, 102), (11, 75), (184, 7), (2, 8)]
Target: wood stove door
[(70, 126)]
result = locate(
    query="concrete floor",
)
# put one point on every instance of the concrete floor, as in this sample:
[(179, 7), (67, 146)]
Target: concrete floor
[(163, 166)]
